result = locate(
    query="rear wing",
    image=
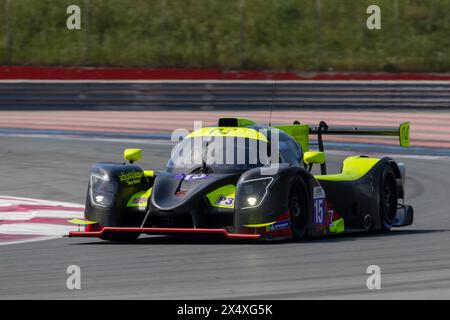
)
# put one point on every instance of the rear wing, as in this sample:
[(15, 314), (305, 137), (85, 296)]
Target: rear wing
[(402, 131), (301, 132)]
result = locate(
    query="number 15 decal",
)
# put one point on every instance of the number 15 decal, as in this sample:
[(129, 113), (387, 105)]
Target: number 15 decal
[(319, 209)]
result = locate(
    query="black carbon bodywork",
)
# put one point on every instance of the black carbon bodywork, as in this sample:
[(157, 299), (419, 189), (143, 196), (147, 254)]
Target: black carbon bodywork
[(117, 214), (276, 201), (357, 199), (179, 202)]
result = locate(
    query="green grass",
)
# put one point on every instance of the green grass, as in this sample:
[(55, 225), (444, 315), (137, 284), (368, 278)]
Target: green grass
[(231, 34)]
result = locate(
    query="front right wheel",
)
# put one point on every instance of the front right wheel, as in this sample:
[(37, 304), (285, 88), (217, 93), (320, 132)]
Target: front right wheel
[(298, 208)]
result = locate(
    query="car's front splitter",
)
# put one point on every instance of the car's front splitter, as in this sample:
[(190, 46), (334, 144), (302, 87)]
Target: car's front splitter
[(164, 231)]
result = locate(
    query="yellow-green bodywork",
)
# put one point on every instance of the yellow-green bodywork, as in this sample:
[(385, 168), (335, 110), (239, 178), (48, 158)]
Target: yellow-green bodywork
[(149, 173), (404, 134), (132, 154), (242, 122), (81, 222), (228, 192), (337, 226), (139, 199), (354, 168), (260, 225), (228, 132), (300, 133), (314, 157)]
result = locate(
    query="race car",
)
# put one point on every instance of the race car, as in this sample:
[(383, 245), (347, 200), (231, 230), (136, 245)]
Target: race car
[(244, 180)]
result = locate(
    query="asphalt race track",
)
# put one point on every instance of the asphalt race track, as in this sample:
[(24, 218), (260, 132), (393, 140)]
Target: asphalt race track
[(414, 262)]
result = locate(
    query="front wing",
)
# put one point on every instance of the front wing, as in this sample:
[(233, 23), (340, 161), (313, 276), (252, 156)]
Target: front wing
[(164, 231)]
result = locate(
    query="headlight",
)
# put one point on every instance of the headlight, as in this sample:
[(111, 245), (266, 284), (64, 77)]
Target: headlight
[(253, 192), (102, 191)]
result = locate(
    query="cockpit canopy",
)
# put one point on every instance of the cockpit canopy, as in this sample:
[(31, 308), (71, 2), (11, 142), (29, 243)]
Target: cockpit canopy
[(231, 149)]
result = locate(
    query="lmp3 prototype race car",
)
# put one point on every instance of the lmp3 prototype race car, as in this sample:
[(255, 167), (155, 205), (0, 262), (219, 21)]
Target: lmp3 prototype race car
[(244, 180)]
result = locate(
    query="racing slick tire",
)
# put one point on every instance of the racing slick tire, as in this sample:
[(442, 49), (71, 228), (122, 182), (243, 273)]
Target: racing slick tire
[(388, 199), (121, 237), (298, 208)]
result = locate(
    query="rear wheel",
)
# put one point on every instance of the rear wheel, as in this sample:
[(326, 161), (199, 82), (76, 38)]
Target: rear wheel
[(298, 208), (388, 199)]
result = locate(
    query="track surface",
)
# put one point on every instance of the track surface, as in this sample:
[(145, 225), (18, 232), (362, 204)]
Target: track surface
[(415, 261)]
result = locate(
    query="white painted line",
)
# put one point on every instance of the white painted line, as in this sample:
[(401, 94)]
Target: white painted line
[(39, 229), (42, 201), (27, 241), (28, 215), (90, 139), (26, 220)]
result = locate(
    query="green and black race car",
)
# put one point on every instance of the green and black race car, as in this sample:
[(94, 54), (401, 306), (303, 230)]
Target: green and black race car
[(243, 180)]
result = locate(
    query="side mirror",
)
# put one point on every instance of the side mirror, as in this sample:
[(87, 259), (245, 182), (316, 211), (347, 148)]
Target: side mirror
[(314, 157), (132, 155)]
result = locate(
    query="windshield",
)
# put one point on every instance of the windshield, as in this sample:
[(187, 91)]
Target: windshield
[(218, 154)]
